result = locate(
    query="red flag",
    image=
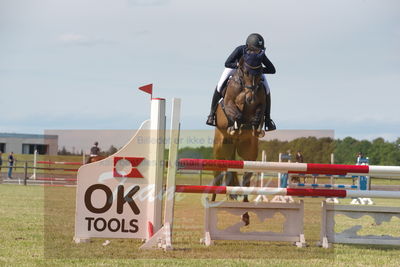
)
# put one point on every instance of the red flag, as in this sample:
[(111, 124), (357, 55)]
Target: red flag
[(147, 88)]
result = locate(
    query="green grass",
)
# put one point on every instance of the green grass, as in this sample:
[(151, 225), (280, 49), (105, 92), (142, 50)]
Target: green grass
[(37, 227)]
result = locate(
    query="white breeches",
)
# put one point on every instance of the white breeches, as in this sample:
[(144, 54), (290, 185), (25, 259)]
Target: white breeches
[(228, 72)]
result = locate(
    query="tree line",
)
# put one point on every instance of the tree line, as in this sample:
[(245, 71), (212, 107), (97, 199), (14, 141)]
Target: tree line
[(111, 150), (314, 150)]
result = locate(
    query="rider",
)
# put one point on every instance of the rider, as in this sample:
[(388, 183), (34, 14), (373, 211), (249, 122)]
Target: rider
[(95, 150), (254, 43)]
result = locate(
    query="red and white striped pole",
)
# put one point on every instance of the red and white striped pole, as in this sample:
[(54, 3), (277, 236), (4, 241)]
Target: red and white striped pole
[(306, 168), (304, 192)]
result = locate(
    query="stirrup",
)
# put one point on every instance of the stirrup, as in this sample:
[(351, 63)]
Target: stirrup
[(269, 125), (211, 120)]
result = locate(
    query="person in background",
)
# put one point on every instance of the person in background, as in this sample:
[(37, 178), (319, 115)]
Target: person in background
[(11, 161), (95, 150), (299, 157), (361, 159), (94, 153)]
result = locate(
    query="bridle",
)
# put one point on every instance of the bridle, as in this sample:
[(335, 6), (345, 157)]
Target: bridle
[(253, 87)]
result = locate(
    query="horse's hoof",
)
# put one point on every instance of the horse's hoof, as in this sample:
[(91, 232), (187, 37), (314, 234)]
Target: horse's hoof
[(233, 197), (231, 131), (261, 134), (246, 218)]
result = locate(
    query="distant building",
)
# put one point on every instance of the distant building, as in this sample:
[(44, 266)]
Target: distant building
[(28, 143)]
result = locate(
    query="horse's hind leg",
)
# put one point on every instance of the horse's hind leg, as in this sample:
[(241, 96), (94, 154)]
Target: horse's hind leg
[(232, 180), (223, 149), (246, 182), (248, 150), (218, 176)]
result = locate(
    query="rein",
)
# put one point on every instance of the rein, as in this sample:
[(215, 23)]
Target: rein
[(251, 67)]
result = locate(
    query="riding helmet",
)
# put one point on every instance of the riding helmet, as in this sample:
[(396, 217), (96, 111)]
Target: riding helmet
[(255, 40)]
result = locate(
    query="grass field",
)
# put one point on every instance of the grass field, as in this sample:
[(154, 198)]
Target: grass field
[(37, 227)]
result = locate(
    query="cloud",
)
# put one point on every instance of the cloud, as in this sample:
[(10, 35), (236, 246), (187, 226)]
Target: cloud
[(80, 39)]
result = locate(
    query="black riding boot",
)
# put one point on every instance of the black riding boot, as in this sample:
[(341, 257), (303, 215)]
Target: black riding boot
[(269, 123), (211, 118)]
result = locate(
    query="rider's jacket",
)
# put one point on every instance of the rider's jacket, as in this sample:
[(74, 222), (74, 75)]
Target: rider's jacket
[(234, 58), (94, 151)]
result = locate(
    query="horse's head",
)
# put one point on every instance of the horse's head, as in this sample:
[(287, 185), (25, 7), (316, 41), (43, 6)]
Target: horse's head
[(251, 67)]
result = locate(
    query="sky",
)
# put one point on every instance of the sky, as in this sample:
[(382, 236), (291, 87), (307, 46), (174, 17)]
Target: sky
[(77, 64)]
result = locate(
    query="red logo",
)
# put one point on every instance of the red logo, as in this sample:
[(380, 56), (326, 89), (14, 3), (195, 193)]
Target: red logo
[(134, 163)]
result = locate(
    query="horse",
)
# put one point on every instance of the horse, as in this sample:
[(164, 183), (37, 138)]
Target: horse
[(92, 159), (239, 121)]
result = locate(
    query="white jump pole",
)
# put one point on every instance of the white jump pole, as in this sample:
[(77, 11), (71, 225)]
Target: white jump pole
[(163, 237), (34, 164), (261, 198)]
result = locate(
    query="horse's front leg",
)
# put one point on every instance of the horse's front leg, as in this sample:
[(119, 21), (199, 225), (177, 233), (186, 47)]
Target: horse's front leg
[(232, 180), (235, 115), (218, 177), (246, 182), (257, 122)]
